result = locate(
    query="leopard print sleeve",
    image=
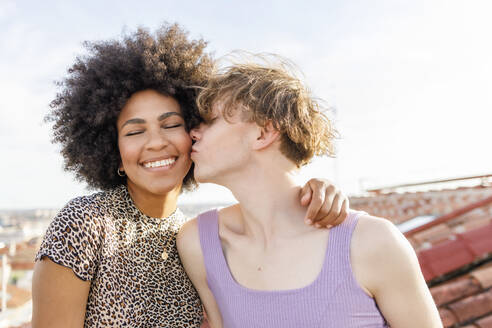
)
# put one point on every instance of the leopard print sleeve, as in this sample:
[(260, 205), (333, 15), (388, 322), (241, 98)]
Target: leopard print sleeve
[(74, 237)]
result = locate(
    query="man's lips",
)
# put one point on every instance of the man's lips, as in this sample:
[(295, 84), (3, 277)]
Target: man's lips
[(193, 154)]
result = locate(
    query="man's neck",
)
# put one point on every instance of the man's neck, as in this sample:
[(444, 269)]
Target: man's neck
[(269, 204)]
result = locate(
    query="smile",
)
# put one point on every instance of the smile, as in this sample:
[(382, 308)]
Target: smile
[(161, 163)]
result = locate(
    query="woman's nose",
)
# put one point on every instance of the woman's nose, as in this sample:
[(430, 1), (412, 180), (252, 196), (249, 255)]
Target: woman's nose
[(157, 141)]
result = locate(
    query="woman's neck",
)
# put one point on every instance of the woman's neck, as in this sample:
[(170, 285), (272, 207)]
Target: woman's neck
[(154, 205)]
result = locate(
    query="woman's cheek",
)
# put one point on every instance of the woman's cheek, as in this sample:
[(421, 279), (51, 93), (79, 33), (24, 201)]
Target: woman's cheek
[(128, 152), (186, 142)]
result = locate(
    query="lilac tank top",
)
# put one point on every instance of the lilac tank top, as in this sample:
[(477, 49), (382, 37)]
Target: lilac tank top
[(333, 299)]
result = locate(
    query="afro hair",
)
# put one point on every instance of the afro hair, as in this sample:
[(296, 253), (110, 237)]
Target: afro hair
[(99, 84)]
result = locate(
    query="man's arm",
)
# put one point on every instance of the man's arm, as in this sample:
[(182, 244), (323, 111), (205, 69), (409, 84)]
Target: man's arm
[(387, 268), (190, 252), (59, 297)]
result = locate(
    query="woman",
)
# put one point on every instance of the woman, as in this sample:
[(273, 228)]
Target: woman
[(122, 119)]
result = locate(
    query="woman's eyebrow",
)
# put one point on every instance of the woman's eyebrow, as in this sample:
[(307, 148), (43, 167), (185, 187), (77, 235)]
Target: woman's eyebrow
[(167, 114), (133, 121)]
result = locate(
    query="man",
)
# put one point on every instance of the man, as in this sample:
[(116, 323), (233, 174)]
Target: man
[(256, 264)]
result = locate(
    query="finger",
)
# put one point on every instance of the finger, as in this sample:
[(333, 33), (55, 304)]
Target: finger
[(317, 199), (324, 214), (336, 206), (305, 195), (343, 214), (330, 193)]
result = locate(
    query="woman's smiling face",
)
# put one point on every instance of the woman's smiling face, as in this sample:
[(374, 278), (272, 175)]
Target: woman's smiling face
[(153, 143)]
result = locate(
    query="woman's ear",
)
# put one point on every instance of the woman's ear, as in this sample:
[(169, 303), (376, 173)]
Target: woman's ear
[(267, 136)]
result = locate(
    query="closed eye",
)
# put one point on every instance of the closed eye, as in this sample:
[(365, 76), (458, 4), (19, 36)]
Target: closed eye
[(172, 126), (133, 133)]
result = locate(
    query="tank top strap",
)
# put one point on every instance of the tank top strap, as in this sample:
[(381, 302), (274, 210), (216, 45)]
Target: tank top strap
[(338, 251), (208, 230)]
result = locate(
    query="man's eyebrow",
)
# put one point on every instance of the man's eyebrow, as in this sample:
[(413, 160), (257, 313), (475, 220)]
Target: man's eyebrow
[(133, 121), (166, 115)]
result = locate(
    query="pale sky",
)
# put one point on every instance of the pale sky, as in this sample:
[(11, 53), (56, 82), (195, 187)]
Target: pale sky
[(410, 81)]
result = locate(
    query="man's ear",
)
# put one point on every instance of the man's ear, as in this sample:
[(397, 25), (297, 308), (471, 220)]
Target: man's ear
[(267, 135)]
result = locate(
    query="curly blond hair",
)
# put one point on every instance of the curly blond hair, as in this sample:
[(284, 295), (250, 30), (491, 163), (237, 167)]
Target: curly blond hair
[(267, 90)]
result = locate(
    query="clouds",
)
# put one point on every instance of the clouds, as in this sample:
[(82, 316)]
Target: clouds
[(410, 80)]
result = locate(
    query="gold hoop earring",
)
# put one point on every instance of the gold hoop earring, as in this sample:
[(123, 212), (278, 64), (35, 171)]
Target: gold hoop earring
[(120, 173)]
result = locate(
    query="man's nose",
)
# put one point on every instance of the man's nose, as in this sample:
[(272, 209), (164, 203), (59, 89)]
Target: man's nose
[(195, 133)]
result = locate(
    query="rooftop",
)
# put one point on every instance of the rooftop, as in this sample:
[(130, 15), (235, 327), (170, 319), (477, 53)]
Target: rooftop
[(450, 230), (453, 245)]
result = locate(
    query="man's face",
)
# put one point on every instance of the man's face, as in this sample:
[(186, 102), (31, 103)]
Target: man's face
[(222, 148)]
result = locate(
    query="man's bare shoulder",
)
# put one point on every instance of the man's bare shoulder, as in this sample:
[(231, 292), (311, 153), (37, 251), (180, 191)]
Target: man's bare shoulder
[(381, 251), (379, 237), (230, 221), (375, 232), (188, 239), (386, 267), (229, 211)]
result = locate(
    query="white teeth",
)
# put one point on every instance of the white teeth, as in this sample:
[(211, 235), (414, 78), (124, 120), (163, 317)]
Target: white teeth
[(164, 162)]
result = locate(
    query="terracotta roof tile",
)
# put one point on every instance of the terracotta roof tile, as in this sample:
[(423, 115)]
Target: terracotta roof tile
[(479, 240), (440, 232), (425, 268), (455, 246), (415, 244), (485, 322), (448, 318), (474, 221), (446, 257), (455, 290), (472, 307), (483, 276), (401, 207)]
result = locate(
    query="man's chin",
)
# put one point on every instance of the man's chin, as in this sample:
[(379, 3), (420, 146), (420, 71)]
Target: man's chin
[(200, 178)]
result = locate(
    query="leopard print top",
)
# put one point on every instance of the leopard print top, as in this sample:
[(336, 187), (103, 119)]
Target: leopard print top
[(106, 240)]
